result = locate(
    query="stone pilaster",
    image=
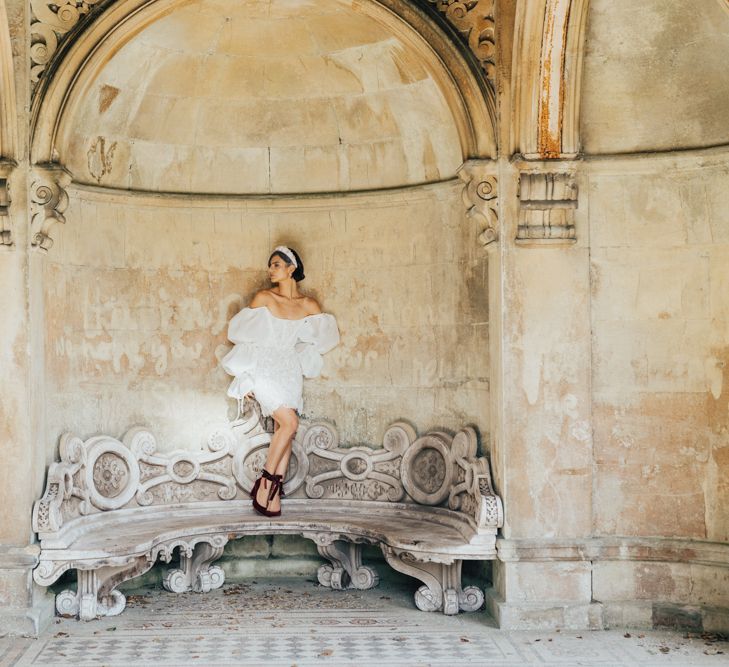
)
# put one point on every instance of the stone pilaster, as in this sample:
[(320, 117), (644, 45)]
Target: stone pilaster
[(539, 304)]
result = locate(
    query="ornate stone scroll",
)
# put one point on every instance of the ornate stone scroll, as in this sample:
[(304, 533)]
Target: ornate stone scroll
[(96, 593), (474, 20), (50, 22), (196, 571), (355, 473), (48, 202), (103, 473), (345, 568), (102, 486), (480, 196), (547, 203), (441, 577)]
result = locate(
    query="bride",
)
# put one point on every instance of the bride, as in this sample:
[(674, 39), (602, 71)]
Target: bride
[(278, 339)]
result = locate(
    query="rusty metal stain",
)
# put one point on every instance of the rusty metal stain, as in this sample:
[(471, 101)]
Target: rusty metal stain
[(549, 142)]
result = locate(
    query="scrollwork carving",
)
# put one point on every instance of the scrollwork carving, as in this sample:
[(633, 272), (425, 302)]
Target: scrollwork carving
[(480, 196), (475, 21), (356, 472), (48, 202), (49, 24)]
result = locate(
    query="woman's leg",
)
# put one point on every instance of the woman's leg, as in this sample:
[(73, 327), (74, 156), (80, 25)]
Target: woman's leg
[(279, 452)]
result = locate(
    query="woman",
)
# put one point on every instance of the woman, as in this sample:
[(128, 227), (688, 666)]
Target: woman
[(278, 338)]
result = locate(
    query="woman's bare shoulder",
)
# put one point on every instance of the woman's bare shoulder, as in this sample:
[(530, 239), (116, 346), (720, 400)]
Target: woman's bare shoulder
[(261, 298), (311, 305)]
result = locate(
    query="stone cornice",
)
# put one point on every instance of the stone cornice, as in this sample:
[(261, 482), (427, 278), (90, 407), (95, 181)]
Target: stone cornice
[(19, 558), (657, 549)]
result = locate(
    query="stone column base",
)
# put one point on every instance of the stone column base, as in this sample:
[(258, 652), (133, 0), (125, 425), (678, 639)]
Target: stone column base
[(25, 609), (548, 616), (611, 582)]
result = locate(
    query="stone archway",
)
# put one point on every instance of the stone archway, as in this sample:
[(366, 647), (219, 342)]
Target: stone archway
[(61, 72)]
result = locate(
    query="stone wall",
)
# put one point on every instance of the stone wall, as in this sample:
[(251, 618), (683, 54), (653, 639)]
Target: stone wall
[(659, 233), (139, 291), (659, 256)]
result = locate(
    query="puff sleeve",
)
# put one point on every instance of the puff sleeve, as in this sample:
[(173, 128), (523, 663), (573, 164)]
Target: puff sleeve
[(318, 335), (248, 329)]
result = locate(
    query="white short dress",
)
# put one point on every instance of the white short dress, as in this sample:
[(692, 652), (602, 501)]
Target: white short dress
[(272, 355)]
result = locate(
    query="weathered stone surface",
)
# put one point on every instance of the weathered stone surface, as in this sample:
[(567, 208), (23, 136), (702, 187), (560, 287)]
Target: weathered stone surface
[(634, 98), (125, 317)]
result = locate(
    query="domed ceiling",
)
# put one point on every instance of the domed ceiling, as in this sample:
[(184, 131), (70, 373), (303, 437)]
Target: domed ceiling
[(263, 96), (655, 75)]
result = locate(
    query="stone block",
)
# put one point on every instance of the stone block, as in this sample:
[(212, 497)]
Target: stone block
[(547, 583), (677, 617), (292, 546), (250, 546), (628, 614), (251, 568)]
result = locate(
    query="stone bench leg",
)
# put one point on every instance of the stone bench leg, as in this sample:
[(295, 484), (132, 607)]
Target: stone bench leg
[(345, 569), (196, 571), (442, 589), (96, 595)]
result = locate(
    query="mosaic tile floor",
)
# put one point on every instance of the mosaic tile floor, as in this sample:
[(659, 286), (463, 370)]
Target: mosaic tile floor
[(297, 623)]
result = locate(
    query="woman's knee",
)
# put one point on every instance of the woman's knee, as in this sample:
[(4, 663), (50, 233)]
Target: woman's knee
[(287, 420)]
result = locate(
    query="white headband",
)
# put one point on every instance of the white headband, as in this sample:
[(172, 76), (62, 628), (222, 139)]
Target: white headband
[(288, 253)]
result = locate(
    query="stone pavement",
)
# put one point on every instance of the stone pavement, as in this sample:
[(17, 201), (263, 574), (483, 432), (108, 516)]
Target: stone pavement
[(296, 622)]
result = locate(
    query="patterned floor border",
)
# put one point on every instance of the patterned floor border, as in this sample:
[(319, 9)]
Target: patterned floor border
[(297, 623)]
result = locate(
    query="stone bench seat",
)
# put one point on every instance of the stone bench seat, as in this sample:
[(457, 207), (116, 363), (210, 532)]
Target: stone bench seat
[(341, 498)]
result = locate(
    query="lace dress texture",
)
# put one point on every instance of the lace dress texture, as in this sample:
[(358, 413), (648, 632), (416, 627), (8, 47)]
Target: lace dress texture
[(272, 355)]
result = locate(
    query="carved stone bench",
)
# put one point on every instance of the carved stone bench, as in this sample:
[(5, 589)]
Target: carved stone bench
[(111, 508)]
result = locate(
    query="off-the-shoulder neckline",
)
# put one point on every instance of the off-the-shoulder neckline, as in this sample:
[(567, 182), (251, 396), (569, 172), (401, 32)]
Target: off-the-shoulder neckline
[(286, 319)]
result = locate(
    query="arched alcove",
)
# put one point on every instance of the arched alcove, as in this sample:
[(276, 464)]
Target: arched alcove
[(213, 98), (197, 142)]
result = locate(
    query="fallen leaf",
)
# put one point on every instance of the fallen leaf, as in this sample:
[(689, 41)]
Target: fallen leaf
[(326, 652), (627, 635), (61, 634), (664, 649), (466, 640)]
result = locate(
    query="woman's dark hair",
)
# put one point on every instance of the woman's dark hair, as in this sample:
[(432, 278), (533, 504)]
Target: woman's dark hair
[(298, 273)]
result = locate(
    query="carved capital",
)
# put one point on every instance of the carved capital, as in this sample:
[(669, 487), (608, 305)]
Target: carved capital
[(480, 196), (474, 20), (50, 22), (48, 202), (547, 203)]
